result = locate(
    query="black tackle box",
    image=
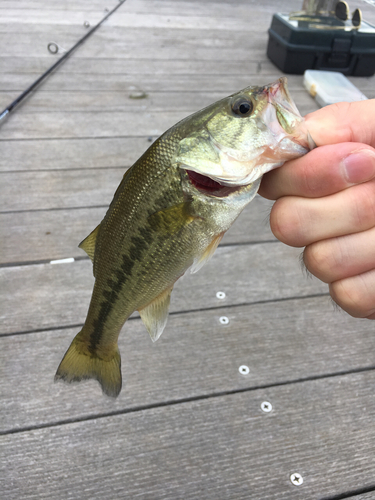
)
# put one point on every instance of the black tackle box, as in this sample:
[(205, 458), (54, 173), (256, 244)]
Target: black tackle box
[(295, 46)]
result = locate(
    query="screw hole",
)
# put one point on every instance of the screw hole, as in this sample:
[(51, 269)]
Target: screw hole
[(53, 48)]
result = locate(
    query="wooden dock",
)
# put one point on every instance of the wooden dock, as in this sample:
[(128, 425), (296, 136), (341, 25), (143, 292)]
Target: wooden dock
[(188, 423)]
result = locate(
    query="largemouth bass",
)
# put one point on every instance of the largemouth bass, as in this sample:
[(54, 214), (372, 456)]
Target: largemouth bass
[(170, 212)]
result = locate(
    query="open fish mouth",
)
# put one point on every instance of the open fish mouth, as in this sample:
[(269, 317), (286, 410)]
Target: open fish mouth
[(209, 186), (233, 150)]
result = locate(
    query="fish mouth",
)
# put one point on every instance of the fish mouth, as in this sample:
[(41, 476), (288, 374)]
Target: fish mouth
[(208, 186)]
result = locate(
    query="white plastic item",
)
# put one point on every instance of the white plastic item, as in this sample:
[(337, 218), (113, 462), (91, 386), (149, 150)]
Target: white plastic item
[(329, 87)]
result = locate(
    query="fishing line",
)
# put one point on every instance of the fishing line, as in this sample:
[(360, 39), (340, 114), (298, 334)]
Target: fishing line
[(20, 98)]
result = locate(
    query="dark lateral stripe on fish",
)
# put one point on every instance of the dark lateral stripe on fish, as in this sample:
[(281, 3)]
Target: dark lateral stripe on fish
[(111, 295), (145, 235)]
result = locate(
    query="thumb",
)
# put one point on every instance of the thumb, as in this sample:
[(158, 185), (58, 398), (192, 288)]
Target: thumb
[(343, 122)]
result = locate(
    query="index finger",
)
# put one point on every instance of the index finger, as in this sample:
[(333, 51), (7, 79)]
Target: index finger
[(323, 171), (343, 122), (344, 134)]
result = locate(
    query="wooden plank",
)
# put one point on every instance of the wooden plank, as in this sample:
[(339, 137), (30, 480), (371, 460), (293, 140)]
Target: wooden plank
[(35, 21), (54, 154), (56, 234), (226, 8), (49, 234), (128, 102), (155, 7), (122, 82), (31, 19), (130, 43), (59, 188), (151, 43), (46, 296), (37, 65), (75, 89), (165, 78), (115, 65), (128, 83), (215, 448), (93, 124), (182, 75), (70, 5), (281, 343), (202, 15)]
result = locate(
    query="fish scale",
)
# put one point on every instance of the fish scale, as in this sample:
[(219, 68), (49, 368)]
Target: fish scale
[(170, 212)]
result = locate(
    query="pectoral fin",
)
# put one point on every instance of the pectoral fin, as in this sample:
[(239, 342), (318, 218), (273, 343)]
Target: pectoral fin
[(207, 254), (88, 244), (155, 315), (171, 219)]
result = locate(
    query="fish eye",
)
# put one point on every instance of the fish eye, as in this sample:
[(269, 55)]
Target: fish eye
[(242, 107)]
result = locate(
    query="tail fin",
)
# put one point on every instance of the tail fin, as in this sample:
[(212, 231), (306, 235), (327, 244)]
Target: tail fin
[(79, 364)]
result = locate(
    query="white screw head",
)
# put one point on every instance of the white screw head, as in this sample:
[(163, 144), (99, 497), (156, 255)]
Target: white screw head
[(266, 407), (244, 370), (220, 295), (224, 320), (296, 479)]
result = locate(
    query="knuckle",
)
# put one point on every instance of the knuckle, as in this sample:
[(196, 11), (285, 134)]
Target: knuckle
[(346, 298), (285, 222), (320, 260), (364, 205), (350, 294)]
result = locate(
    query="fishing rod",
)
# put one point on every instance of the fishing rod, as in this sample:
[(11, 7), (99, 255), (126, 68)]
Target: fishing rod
[(63, 58)]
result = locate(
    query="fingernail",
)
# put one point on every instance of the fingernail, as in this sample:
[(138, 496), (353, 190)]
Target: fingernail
[(359, 166)]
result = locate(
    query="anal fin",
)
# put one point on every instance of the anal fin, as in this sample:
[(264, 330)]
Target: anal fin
[(207, 254), (155, 314)]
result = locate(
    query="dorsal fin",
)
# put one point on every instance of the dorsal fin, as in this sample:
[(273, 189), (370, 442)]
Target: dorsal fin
[(88, 244), (207, 254), (155, 315)]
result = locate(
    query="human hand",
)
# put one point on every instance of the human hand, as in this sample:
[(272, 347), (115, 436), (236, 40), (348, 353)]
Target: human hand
[(326, 203)]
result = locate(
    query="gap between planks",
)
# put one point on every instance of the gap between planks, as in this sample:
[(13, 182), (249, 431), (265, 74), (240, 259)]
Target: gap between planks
[(176, 313), (174, 402), (190, 399), (77, 258)]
